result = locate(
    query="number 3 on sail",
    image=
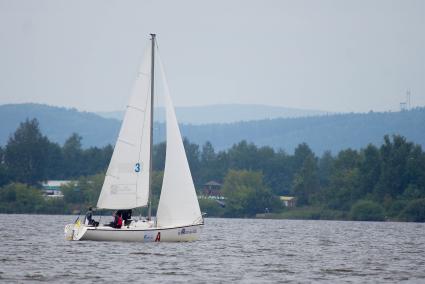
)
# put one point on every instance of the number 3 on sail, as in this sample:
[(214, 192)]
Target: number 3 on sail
[(137, 167), (178, 217)]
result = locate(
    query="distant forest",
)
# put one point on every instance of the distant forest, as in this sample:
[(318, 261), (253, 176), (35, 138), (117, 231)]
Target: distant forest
[(373, 183), (334, 132)]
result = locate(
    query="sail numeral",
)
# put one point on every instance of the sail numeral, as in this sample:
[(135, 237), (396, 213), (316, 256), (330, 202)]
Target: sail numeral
[(137, 167)]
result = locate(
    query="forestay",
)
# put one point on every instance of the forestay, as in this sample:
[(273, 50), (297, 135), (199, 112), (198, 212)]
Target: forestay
[(126, 183), (178, 204)]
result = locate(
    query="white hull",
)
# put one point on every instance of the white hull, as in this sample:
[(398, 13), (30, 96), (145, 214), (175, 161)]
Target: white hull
[(138, 233)]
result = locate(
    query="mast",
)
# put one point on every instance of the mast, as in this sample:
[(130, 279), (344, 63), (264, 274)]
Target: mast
[(153, 36)]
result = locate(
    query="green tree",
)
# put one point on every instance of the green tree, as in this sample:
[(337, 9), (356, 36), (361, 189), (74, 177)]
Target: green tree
[(211, 207), (341, 192), (247, 195), (209, 168), (4, 179), (91, 187), (95, 160), (413, 192), (158, 156), (20, 198), (83, 192), (300, 154), (243, 156), (369, 170), (367, 210), (394, 155), (73, 156), (208, 154), (73, 193), (414, 211), (415, 173), (193, 158), (157, 178), (222, 166), (278, 174), (26, 154), (306, 181), (55, 162), (325, 168)]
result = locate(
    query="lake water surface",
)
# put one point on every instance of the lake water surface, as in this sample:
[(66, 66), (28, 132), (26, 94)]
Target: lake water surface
[(230, 250)]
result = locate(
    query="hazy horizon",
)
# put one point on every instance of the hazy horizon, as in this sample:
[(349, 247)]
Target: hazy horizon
[(215, 105), (328, 55), (180, 106)]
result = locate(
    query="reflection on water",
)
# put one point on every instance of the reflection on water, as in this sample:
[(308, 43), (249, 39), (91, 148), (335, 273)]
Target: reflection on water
[(244, 250)]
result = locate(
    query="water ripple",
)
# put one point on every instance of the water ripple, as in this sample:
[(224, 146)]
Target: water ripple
[(230, 250)]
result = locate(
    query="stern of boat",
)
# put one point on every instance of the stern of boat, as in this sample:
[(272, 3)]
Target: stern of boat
[(74, 232)]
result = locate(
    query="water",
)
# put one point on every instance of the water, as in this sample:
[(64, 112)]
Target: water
[(230, 250)]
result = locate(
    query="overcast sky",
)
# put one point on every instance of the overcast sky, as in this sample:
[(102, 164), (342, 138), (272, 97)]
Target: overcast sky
[(318, 54)]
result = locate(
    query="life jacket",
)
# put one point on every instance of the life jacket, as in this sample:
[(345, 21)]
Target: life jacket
[(119, 222)]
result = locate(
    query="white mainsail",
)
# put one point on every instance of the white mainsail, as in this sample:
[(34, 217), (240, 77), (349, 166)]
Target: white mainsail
[(126, 183), (178, 203)]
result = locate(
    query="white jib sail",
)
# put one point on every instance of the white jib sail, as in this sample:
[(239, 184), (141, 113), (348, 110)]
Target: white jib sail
[(126, 182), (178, 204)]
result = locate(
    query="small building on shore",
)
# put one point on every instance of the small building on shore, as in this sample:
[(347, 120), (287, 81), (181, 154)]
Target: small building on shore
[(211, 190), (52, 188), (289, 201)]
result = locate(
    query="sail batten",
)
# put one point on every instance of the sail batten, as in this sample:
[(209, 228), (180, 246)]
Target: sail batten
[(136, 108)]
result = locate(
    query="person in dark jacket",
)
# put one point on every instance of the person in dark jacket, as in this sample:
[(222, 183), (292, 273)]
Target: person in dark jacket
[(89, 218), (126, 217)]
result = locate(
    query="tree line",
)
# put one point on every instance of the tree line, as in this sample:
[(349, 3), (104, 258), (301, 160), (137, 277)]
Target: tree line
[(374, 183), (30, 158)]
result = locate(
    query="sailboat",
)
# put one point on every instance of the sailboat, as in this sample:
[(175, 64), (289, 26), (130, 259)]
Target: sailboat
[(128, 180)]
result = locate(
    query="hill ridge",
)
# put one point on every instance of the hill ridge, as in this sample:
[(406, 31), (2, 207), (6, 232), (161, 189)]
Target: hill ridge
[(322, 132)]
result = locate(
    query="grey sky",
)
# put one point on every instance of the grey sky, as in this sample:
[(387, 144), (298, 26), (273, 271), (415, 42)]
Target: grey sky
[(317, 54)]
